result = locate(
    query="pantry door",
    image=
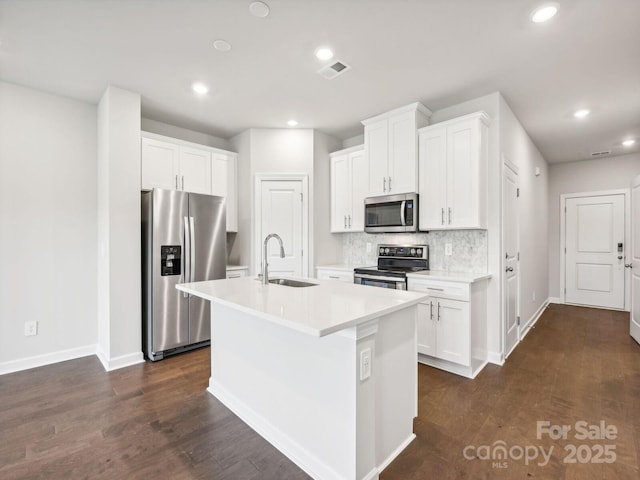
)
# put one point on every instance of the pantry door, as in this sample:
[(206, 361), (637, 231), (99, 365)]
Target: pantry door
[(281, 207), (595, 250)]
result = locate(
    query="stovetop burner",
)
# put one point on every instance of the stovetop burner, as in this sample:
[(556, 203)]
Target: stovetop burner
[(398, 260)]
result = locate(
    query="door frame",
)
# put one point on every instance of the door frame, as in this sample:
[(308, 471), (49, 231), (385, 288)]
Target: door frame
[(506, 163), (626, 192), (256, 251)]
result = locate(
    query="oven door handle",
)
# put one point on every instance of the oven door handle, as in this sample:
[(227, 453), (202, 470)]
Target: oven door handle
[(377, 277), (403, 220)]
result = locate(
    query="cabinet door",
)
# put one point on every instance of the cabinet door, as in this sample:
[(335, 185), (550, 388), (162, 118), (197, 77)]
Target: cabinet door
[(427, 327), (453, 331), (403, 158), (376, 141), (359, 176), (195, 170), (463, 176), (433, 178), (340, 193), (223, 179), (159, 165)]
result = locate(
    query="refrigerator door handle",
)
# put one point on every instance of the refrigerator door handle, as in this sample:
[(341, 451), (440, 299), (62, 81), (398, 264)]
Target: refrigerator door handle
[(192, 248), (186, 258)]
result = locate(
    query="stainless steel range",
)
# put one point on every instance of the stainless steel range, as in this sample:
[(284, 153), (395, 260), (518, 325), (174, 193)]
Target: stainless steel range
[(394, 262)]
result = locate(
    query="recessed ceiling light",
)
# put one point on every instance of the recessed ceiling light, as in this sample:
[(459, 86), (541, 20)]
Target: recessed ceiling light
[(222, 45), (581, 113), (324, 53), (200, 88), (292, 123), (259, 9), (544, 13), (628, 143)]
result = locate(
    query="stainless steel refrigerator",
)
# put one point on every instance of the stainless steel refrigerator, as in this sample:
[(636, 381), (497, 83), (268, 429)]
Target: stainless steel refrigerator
[(183, 240)]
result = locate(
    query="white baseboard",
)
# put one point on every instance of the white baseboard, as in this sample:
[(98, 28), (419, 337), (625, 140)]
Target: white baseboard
[(495, 358), (387, 461), (554, 300), (304, 459), (46, 359), (536, 316), (110, 364)]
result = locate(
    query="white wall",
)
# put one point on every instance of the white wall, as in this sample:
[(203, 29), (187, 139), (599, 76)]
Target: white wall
[(47, 227), (586, 176), (154, 126), (119, 302), (327, 247), (518, 148)]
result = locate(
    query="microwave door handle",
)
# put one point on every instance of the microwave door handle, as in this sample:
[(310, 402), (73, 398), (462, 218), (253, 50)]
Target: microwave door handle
[(402, 213)]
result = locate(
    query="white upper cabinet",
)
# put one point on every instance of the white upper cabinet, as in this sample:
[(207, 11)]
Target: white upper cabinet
[(178, 165), (349, 182), (175, 167), (223, 184), (453, 173), (391, 149), (195, 170)]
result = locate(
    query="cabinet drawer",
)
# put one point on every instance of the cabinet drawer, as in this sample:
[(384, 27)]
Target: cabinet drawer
[(440, 289), (338, 275)]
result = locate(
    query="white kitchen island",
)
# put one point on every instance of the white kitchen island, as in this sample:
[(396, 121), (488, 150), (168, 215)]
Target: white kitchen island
[(292, 363)]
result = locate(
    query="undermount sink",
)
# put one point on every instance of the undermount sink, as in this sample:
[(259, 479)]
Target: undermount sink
[(291, 283)]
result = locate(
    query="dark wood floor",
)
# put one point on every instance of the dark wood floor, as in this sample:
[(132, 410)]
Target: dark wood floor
[(72, 420)]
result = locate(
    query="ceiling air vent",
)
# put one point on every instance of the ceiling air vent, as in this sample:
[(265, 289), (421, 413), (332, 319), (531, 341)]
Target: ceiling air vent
[(601, 154), (332, 71)]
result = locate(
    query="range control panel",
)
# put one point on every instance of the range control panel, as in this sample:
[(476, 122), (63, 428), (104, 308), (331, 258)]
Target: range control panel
[(404, 251), (170, 260)]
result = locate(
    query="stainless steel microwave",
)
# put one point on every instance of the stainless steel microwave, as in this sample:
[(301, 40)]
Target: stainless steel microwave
[(391, 213)]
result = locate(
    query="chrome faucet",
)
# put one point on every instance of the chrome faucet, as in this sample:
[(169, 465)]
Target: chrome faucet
[(265, 264)]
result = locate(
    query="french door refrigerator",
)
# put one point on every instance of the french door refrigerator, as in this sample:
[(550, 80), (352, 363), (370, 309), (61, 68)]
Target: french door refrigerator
[(183, 240)]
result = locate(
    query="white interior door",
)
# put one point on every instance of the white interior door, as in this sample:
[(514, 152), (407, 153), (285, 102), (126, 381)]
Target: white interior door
[(281, 212), (511, 248), (594, 242), (634, 264)]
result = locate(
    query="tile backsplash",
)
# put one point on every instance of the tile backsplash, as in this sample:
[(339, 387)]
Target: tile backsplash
[(469, 248)]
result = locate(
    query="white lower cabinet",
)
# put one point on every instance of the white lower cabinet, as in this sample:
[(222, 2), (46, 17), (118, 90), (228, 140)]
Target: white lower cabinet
[(451, 325), (341, 275)]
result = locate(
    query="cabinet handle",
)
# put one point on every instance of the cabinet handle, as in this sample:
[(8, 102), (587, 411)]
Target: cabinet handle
[(509, 269), (349, 217), (345, 221), (442, 216), (176, 182), (389, 183), (438, 311), (436, 289), (334, 277), (182, 182), (449, 215), (384, 184), (431, 310)]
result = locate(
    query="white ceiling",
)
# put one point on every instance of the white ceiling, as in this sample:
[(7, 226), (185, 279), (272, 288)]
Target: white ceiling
[(438, 52)]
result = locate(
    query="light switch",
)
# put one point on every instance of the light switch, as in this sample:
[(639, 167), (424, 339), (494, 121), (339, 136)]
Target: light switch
[(448, 249)]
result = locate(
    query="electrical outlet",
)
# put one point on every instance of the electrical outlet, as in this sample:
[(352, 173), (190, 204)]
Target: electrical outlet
[(533, 299), (448, 249), (369, 247), (365, 364), (30, 329)]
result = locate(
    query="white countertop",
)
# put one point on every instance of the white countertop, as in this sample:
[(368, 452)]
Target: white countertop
[(237, 267), (450, 276), (319, 310)]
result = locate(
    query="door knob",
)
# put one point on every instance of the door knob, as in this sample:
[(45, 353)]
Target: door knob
[(628, 265), (509, 269)]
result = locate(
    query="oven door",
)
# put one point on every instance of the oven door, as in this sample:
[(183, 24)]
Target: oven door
[(380, 281)]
